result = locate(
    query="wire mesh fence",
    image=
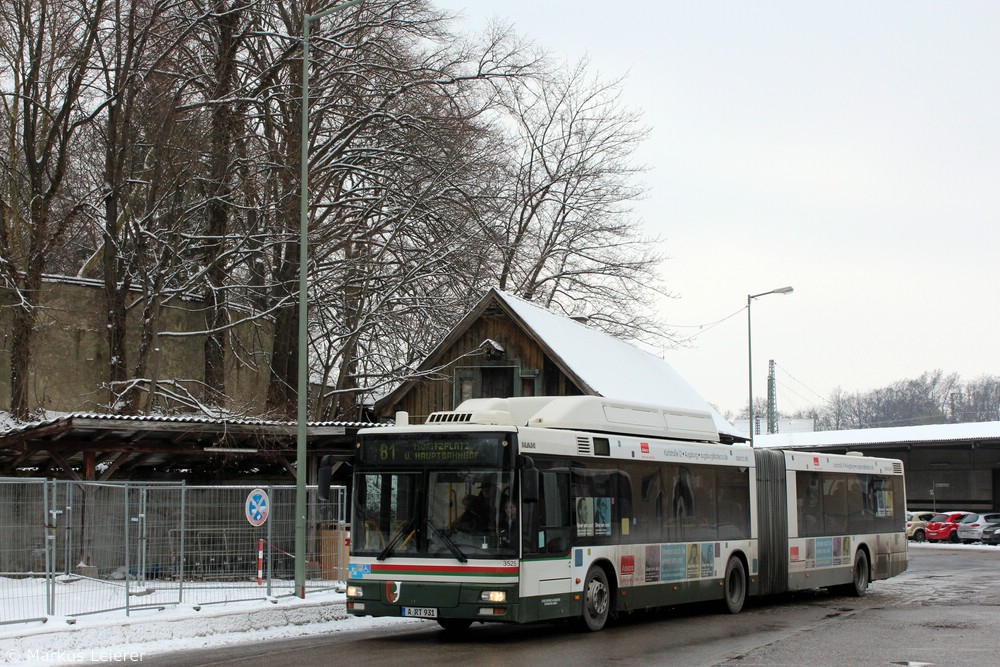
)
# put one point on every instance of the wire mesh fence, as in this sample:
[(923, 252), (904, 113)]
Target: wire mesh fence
[(75, 548)]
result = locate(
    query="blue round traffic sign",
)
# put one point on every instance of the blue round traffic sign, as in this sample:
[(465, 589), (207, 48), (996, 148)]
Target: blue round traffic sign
[(257, 507)]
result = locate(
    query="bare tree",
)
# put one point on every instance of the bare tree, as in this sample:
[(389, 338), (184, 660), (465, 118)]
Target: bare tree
[(134, 39), (564, 228), (391, 91), (979, 402), (47, 52), (155, 145), (917, 401)]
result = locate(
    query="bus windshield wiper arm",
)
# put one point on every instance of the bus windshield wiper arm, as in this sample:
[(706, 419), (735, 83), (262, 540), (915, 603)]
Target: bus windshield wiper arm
[(448, 542), (400, 532)]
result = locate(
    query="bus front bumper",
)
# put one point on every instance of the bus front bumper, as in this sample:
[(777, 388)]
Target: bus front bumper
[(433, 600)]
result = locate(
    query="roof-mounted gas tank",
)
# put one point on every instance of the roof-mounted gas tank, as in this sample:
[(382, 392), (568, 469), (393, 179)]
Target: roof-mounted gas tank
[(585, 413)]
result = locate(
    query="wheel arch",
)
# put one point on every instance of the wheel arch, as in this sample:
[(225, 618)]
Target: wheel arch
[(863, 546)]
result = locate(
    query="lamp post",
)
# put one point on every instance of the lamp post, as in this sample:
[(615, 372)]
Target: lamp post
[(750, 298), (301, 455)]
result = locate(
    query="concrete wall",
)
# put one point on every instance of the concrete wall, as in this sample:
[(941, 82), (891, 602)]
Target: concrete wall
[(70, 362)]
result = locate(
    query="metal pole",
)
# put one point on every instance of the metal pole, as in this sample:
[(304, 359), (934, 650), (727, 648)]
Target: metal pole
[(128, 531), (270, 541), (301, 465), (750, 374), (750, 298), (183, 556), (48, 544)]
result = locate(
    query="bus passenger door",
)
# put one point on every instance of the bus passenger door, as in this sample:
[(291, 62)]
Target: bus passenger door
[(547, 535)]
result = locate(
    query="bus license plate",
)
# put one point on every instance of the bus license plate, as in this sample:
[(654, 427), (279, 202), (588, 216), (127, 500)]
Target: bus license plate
[(420, 612)]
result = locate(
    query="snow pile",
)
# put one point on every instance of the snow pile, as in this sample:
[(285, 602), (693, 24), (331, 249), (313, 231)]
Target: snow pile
[(113, 637)]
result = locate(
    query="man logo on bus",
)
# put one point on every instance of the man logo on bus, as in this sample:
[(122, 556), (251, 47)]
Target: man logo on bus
[(392, 589)]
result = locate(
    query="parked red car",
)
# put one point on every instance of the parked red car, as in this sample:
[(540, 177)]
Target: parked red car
[(944, 527)]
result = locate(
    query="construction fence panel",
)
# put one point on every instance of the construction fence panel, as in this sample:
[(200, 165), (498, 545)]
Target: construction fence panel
[(101, 547), (23, 584), (74, 548)]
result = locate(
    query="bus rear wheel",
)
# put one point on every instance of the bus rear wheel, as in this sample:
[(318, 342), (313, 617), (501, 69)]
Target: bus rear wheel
[(735, 585), (859, 576), (596, 600)]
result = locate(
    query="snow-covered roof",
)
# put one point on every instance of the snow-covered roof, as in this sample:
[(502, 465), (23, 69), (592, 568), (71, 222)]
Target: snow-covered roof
[(9, 426), (612, 367), (878, 436)]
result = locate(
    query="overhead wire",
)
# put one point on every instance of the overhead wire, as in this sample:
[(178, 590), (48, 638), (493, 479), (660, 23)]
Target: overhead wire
[(706, 327)]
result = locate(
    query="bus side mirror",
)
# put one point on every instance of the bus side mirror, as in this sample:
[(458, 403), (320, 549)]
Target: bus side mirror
[(323, 481), (529, 480)]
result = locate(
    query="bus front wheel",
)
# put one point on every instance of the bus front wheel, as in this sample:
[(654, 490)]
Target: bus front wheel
[(735, 585), (596, 600)]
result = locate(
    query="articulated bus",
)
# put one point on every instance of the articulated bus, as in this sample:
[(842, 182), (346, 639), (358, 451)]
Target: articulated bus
[(535, 509)]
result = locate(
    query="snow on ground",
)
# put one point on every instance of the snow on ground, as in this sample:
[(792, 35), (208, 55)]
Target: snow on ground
[(115, 637)]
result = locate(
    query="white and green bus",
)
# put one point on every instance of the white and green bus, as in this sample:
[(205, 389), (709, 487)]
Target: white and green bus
[(535, 509)]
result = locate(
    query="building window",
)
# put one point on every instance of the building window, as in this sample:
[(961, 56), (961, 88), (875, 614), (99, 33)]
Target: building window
[(487, 382)]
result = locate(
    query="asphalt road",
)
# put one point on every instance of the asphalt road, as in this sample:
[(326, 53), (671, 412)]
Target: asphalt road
[(942, 611)]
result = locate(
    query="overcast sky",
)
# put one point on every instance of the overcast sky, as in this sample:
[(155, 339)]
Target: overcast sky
[(848, 149)]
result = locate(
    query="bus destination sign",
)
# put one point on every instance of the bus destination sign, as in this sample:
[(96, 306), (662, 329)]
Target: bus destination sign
[(433, 450)]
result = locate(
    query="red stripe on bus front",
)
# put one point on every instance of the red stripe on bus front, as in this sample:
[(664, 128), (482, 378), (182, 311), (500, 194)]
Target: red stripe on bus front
[(443, 569)]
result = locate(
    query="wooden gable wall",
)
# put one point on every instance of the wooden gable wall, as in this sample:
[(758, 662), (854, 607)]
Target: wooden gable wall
[(531, 371)]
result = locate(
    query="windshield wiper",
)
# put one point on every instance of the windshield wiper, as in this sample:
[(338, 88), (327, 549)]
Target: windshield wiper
[(456, 552), (403, 530)]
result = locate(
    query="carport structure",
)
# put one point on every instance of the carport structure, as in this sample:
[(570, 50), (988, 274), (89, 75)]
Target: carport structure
[(95, 447)]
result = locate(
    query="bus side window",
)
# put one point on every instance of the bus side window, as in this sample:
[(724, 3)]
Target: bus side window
[(810, 504), (548, 524), (835, 504)]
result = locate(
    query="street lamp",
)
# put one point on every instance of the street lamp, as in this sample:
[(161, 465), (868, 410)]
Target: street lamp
[(750, 298), (303, 386)]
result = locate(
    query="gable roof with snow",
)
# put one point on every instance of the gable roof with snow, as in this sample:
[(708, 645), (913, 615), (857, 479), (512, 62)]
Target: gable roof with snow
[(598, 363)]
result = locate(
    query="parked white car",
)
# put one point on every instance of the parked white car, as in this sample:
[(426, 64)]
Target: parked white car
[(970, 528)]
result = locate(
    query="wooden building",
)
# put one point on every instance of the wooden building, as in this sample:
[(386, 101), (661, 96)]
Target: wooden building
[(508, 347)]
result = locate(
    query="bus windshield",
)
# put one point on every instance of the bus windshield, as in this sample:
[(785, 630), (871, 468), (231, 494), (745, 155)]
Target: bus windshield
[(429, 506)]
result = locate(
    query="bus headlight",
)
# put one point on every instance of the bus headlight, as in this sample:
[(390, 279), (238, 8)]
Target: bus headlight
[(493, 596), (354, 592)]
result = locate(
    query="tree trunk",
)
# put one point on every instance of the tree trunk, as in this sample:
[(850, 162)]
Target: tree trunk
[(282, 390), (223, 137), (114, 293), (20, 358), (26, 315)]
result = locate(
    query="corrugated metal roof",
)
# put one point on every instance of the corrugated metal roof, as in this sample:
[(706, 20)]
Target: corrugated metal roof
[(883, 436), (20, 427)]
